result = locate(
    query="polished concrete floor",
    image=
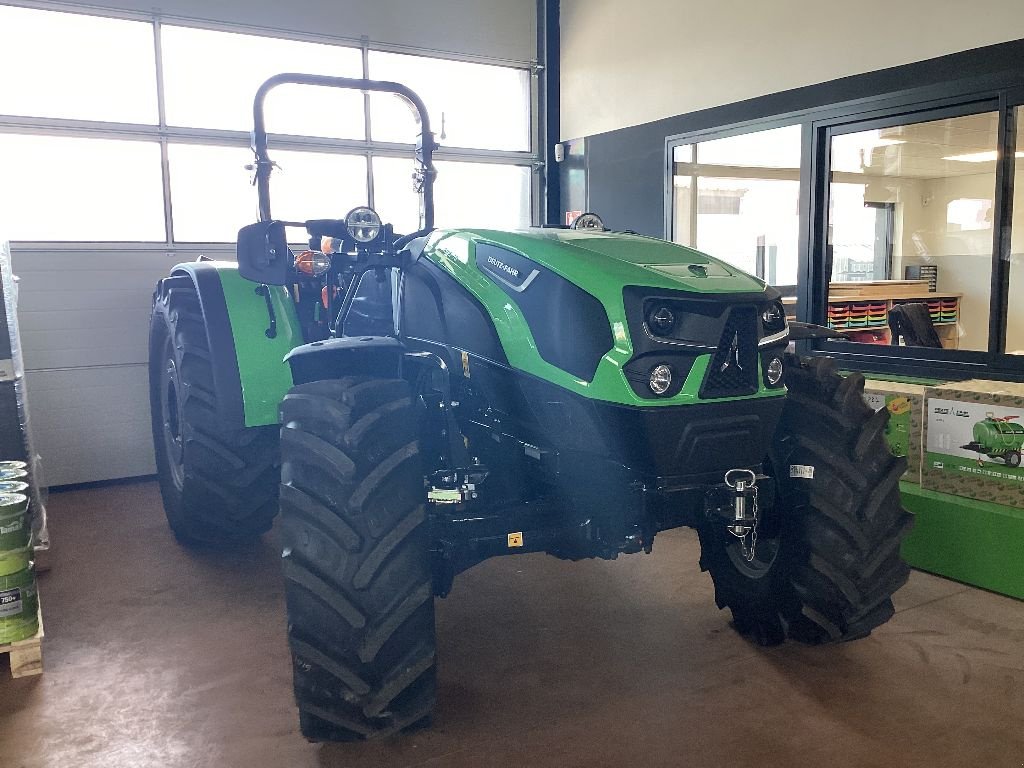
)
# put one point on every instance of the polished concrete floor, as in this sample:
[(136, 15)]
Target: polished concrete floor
[(160, 657)]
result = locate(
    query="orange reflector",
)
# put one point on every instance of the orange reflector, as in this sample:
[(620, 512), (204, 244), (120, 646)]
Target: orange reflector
[(312, 263)]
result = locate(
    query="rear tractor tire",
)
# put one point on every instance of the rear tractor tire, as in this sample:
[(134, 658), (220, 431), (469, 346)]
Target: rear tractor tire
[(828, 559), (356, 559), (218, 481)]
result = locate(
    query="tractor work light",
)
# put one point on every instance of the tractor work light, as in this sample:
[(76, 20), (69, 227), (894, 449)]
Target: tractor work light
[(774, 371), (661, 379), (363, 224), (661, 321), (590, 221)]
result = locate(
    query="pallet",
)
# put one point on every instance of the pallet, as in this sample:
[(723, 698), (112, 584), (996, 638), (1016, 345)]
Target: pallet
[(26, 655)]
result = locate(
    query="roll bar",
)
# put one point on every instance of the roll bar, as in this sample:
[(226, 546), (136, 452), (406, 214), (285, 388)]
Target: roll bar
[(425, 144)]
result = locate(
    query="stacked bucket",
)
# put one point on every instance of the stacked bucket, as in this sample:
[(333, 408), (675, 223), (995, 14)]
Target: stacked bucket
[(19, 602)]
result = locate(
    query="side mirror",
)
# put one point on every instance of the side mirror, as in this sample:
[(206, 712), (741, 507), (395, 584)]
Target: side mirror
[(263, 254)]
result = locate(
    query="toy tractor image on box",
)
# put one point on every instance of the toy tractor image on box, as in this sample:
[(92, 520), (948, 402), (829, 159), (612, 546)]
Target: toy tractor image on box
[(998, 437), (415, 404)]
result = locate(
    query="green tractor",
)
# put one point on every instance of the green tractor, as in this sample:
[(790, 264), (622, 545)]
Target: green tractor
[(415, 404)]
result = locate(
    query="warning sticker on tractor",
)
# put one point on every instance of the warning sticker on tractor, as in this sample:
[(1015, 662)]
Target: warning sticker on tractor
[(515, 539), (805, 471), (10, 602)]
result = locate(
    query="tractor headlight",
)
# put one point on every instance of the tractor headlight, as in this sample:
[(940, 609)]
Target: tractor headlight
[(661, 379), (774, 371), (363, 224), (661, 321)]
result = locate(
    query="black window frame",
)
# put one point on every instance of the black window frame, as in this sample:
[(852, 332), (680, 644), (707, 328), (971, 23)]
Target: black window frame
[(891, 104)]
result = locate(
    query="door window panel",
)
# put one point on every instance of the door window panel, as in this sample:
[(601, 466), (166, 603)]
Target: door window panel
[(912, 201), (68, 65), (210, 79), (745, 210), (479, 106), (59, 188), (212, 195)]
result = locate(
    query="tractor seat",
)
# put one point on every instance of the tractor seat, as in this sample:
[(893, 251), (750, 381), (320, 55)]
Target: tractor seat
[(913, 322)]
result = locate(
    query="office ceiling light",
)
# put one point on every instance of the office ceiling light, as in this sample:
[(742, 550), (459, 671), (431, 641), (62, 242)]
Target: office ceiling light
[(979, 157)]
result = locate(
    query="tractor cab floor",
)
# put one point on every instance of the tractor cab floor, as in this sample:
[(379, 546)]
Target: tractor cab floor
[(158, 657)]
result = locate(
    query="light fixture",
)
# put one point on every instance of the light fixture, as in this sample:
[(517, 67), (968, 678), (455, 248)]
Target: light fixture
[(661, 321), (979, 157), (590, 221), (661, 379), (774, 371), (363, 224)]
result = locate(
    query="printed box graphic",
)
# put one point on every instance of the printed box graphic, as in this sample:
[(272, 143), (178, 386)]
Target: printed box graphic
[(973, 441), (904, 432)]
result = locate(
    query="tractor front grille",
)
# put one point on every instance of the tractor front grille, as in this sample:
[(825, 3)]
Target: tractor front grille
[(733, 368)]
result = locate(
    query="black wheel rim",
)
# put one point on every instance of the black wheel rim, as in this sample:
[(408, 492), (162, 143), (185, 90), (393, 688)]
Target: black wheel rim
[(170, 415)]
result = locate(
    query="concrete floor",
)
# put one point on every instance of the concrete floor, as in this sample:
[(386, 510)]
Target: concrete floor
[(157, 656)]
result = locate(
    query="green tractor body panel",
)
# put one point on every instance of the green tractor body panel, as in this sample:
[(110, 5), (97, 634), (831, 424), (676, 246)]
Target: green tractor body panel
[(601, 264), (264, 375)]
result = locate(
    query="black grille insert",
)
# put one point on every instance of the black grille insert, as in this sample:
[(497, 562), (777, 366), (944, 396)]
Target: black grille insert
[(733, 368)]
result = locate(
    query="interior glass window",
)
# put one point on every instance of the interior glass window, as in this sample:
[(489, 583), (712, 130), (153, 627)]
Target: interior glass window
[(465, 194), (229, 67), (212, 195), (913, 202), (1015, 307), (471, 105), (68, 65), (737, 199), (42, 197)]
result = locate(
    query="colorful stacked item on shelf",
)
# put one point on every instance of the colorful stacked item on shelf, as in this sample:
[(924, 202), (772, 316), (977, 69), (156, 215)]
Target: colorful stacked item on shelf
[(857, 314)]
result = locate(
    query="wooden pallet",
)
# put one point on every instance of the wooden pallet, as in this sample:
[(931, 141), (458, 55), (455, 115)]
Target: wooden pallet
[(26, 655)]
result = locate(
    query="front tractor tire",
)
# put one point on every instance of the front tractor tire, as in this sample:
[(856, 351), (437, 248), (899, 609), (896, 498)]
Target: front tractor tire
[(357, 559), (218, 482), (828, 558)]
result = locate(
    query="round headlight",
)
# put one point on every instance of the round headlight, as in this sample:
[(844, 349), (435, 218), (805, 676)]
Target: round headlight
[(661, 321), (587, 221), (774, 371), (661, 379), (363, 224)]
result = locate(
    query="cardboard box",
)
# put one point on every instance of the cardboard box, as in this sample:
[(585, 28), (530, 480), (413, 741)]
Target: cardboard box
[(905, 431), (974, 436)]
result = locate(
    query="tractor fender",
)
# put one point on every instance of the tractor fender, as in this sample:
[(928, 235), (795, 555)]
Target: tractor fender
[(379, 356), (247, 342)]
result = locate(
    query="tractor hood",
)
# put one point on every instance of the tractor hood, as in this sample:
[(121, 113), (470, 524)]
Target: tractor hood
[(589, 257)]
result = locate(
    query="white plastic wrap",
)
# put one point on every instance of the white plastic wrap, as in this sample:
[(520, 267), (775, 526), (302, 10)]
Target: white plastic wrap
[(37, 491)]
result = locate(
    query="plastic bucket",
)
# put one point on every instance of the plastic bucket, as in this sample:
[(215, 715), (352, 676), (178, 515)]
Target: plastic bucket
[(15, 531), (13, 473), (13, 486), (15, 560), (19, 606)]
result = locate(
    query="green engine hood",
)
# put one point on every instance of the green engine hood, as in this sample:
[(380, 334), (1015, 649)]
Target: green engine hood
[(602, 264), (590, 259)]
